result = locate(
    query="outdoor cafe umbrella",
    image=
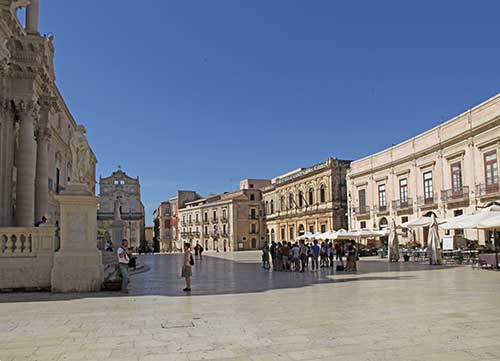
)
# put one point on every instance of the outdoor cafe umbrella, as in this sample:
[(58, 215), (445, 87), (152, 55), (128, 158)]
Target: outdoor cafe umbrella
[(327, 235), (421, 222), (304, 236), (472, 221), (393, 243), (342, 234), (433, 248)]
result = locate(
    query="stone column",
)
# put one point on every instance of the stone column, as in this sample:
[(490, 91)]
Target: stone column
[(32, 12), (26, 162), (42, 172)]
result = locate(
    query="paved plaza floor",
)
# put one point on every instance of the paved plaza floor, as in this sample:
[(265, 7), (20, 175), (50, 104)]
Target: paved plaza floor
[(238, 311)]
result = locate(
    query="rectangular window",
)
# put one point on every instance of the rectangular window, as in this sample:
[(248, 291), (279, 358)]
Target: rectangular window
[(382, 201), (362, 224), (323, 228), (253, 213), (253, 228), (291, 234), (282, 203), (491, 171), (428, 188), (456, 178), (224, 229), (311, 229), (362, 200), (283, 234), (403, 192)]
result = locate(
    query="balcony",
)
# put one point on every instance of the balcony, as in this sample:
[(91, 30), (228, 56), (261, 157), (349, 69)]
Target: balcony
[(381, 209), (361, 212), (456, 195), (428, 201), (487, 190), (402, 205)]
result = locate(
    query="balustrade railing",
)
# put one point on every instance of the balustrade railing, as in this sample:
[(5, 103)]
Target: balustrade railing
[(26, 241)]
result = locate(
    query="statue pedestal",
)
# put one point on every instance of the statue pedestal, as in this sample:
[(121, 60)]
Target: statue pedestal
[(117, 233), (78, 264)]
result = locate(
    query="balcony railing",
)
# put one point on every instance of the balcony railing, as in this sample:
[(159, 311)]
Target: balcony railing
[(252, 216), (381, 209), (487, 189), (455, 194), (360, 211), (402, 204), (428, 201)]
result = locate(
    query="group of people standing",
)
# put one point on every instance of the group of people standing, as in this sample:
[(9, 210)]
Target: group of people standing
[(285, 256)]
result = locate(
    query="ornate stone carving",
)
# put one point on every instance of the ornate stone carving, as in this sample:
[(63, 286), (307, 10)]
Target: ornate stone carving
[(42, 133), (26, 108), (80, 155), (5, 56)]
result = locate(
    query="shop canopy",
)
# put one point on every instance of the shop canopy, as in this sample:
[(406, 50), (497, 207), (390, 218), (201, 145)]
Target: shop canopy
[(421, 222)]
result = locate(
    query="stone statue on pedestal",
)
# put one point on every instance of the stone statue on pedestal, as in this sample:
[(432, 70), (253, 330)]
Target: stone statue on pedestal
[(80, 154), (117, 216)]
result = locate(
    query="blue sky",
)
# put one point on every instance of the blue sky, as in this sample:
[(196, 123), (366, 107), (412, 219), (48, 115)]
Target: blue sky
[(200, 94)]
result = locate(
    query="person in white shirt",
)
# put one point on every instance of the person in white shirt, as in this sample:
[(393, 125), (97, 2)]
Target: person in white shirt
[(123, 260)]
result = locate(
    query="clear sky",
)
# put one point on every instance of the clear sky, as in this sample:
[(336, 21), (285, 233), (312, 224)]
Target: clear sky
[(199, 94)]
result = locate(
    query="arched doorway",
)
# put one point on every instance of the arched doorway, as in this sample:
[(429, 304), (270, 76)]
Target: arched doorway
[(383, 224)]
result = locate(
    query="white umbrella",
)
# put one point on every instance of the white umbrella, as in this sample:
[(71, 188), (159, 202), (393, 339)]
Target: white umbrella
[(393, 243), (316, 235), (421, 222), (327, 235), (472, 221), (304, 236), (343, 234), (433, 247), (373, 233)]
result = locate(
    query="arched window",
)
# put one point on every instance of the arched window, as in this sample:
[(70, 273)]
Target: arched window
[(272, 206), (290, 201), (267, 207), (301, 199), (322, 194), (311, 197)]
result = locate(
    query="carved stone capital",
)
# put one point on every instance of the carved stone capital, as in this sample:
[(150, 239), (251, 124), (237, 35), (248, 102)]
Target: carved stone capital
[(43, 134), (26, 108)]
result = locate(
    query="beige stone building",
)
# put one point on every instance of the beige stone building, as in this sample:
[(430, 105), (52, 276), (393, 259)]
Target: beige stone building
[(166, 221), (128, 191), (312, 199), (449, 170), (36, 126), (231, 221)]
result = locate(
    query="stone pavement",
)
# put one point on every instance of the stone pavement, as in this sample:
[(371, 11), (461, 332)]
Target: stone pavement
[(238, 311)]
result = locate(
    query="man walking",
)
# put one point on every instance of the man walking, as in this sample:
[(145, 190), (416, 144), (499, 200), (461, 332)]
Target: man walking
[(123, 261), (315, 255)]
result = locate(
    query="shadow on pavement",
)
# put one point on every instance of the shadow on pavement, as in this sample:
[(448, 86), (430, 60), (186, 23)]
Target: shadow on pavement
[(218, 276)]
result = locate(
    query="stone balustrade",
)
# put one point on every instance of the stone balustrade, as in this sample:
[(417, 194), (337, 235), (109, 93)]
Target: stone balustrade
[(26, 257)]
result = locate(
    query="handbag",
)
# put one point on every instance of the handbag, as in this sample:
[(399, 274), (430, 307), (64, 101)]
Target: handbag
[(191, 260)]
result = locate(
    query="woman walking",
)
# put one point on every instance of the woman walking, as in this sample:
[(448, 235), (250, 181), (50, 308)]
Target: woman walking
[(186, 266)]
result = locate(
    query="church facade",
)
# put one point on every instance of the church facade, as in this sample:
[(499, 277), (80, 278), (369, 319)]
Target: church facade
[(36, 127), (127, 190)]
